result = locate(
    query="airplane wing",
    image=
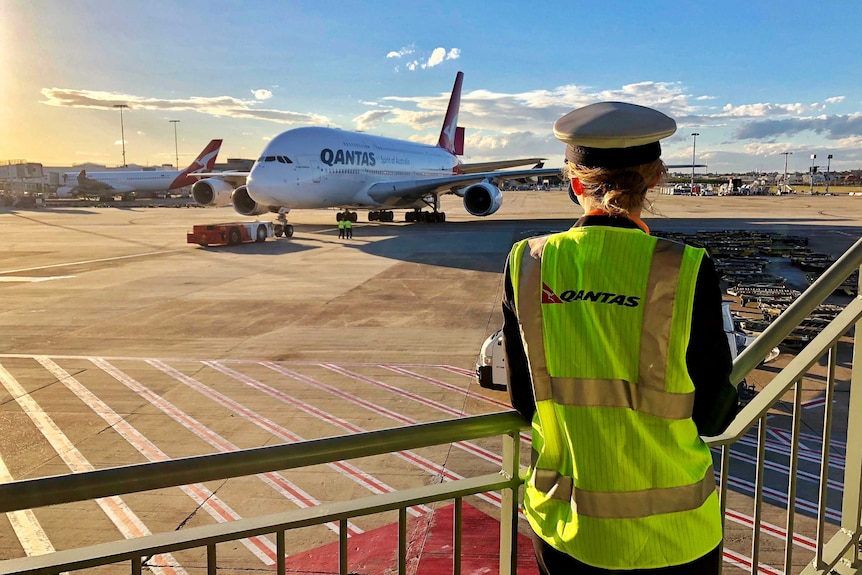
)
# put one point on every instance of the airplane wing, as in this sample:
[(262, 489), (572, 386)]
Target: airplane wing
[(92, 185), (235, 179), (500, 165), (393, 192)]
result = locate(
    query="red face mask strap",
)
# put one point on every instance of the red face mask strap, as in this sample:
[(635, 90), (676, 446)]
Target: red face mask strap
[(577, 186)]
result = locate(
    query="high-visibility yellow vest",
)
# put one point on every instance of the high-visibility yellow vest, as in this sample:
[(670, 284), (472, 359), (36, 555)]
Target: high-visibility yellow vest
[(341, 224), (620, 478), (348, 224)]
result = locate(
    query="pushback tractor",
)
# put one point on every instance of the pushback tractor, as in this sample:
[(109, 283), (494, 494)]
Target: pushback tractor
[(231, 234)]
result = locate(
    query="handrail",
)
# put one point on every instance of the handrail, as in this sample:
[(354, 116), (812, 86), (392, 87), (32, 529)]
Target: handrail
[(127, 549), (39, 492), (827, 283), (772, 393)]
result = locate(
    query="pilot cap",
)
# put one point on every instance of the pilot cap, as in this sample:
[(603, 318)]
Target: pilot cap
[(613, 134)]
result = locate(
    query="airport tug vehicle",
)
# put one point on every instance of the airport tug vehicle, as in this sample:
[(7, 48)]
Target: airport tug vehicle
[(232, 234)]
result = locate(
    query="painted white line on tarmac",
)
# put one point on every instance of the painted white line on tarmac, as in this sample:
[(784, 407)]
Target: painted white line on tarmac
[(27, 528), (347, 469), (466, 446), (261, 547), (84, 262), (280, 484), (31, 279), (409, 456), (117, 511)]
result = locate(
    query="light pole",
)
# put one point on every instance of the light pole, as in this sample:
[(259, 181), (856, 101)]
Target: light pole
[(122, 130), (694, 136), (176, 152), (828, 161), (785, 154), (811, 175)]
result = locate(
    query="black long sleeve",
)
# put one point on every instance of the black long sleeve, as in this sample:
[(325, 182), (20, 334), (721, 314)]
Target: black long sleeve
[(520, 381), (708, 357)]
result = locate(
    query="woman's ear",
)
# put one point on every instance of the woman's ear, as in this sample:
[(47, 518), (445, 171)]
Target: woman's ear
[(578, 187)]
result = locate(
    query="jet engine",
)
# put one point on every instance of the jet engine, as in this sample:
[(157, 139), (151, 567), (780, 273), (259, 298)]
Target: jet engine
[(482, 199), (246, 206), (212, 192)]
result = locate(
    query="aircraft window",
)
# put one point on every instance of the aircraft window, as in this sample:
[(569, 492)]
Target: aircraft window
[(280, 159), (269, 159), (284, 160)]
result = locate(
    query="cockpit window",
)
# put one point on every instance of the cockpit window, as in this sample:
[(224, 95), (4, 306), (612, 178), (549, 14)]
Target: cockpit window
[(284, 160), (269, 159)]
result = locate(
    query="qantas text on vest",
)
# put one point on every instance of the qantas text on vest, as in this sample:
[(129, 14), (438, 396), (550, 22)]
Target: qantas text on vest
[(590, 296)]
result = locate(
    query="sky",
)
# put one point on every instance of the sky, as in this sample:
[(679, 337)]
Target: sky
[(753, 78)]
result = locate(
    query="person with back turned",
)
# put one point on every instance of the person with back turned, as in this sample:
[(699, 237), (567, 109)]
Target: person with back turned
[(617, 356)]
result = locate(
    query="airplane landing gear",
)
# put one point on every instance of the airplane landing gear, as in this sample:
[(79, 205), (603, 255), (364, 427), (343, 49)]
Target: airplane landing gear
[(280, 227), (434, 216), (420, 216), (347, 215), (381, 216)]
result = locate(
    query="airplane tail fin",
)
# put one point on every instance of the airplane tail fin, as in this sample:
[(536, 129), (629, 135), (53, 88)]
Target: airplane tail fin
[(449, 133), (203, 163)]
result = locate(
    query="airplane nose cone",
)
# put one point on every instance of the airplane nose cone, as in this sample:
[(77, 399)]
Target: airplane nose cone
[(260, 188)]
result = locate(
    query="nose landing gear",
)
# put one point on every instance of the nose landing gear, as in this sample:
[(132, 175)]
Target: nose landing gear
[(281, 227)]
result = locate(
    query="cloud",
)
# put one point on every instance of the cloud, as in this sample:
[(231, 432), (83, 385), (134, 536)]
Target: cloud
[(759, 110), (402, 52), (219, 106), (831, 127), (532, 111), (835, 100), (370, 119), (438, 56), (262, 94)]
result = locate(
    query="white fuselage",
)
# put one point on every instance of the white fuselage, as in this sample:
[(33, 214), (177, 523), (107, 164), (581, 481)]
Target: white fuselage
[(323, 167), (123, 181)]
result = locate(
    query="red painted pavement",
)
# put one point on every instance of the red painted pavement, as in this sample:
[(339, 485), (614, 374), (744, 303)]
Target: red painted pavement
[(429, 548)]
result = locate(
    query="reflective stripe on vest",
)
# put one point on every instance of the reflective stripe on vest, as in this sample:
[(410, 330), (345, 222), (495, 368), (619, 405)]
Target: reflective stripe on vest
[(625, 505)]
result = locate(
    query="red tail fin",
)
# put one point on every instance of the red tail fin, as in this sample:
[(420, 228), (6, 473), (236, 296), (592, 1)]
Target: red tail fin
[(450, 124), (203, 163)]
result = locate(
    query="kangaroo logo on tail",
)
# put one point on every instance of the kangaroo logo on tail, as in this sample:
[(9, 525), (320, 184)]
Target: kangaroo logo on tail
[(203, 163), (449, 134)]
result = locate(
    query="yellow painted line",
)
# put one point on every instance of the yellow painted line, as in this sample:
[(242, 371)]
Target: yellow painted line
[(117, 511)]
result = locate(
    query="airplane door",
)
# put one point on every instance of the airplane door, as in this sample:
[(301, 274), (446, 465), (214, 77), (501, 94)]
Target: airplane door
[(313, 165)]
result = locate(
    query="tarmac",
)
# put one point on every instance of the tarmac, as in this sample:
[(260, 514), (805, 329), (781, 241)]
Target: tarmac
[(111, 319)]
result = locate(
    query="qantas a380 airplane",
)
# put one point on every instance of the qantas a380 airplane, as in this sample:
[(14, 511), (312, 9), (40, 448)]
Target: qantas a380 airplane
[(325, 168), (127, 183)]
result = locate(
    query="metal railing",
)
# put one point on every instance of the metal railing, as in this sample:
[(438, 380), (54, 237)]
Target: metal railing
[(40, 492), (840, 554)]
